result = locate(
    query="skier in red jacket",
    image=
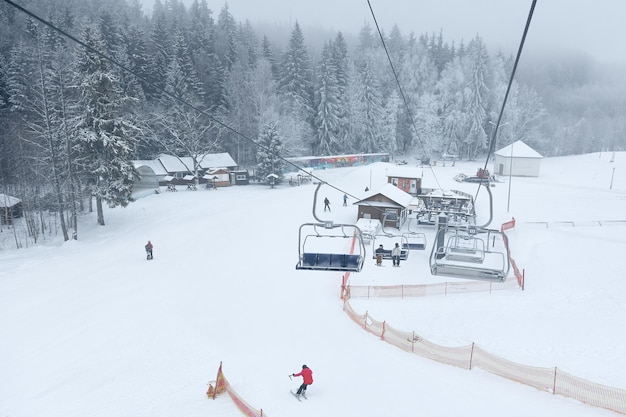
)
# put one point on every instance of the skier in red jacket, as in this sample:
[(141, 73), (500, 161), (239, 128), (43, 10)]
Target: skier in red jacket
[(307, 379)]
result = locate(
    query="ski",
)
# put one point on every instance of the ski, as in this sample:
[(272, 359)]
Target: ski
[(294, 394)]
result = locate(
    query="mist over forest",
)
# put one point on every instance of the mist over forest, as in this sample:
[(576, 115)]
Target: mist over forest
[(189, 81)]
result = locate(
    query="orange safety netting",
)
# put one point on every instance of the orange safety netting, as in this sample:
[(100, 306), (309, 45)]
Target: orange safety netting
[(472, 356), (222, 385)]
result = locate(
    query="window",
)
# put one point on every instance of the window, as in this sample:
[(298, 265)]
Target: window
[(392, 214)]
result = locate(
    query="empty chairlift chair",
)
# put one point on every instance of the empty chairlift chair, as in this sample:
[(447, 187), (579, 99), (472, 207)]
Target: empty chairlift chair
[(414, 241), (328, 247), (467, 253)]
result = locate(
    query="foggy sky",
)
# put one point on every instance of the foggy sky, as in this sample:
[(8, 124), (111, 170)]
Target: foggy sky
[(592, 27)]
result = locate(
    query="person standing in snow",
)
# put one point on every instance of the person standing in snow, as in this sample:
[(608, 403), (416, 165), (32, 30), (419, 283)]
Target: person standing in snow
[(395, 255), (345, 200), (326, 204), (307, 379), (149, 248)]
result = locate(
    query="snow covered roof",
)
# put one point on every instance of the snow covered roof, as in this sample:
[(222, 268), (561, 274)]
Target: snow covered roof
[(218, 171), (185, 163), (8, 201), (518, 149), (155, 164), (396, 194), (447, 194), (404, 172), (215, 160), (173, 163), (393, 193)]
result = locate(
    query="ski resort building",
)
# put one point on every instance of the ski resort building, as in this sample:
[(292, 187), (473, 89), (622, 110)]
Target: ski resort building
[(517, 160), (389, 205), (10, 208), (213, 169), (408, 179)]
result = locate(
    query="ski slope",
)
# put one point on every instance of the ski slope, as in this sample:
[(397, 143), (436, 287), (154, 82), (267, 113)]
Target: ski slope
[(91, 328)]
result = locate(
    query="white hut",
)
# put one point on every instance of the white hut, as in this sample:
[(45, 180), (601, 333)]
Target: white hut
[(148, 181), (517, 160)]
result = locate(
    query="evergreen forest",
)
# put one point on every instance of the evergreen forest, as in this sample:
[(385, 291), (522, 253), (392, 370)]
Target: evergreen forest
[(189, 81)]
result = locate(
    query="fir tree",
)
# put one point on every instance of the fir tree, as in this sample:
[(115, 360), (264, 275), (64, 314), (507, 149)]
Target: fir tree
[(341, 66), (106, 138), (111, 37), (327, 114), (296, 90), (452, 108), (367, 40), (201, 44), (248, 45), (201, 26), (129, 84), (370, 109), (181, 79), (267, 53), (270, 151), (19, 77), (160, 41), (476, 98), (295, 83), (396, 45), (389, 128), (138, 60), (216, 95), (225, 35), (428, 124)]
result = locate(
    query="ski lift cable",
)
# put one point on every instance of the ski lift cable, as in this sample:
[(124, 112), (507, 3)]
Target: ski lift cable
[(395, 75), (162, 90), (492, 142)]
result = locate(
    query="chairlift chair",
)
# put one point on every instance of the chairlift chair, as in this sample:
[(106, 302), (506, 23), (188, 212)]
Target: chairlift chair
[(314, 243), (414, 241), (466, 254), (392, 240), (325, 246)]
